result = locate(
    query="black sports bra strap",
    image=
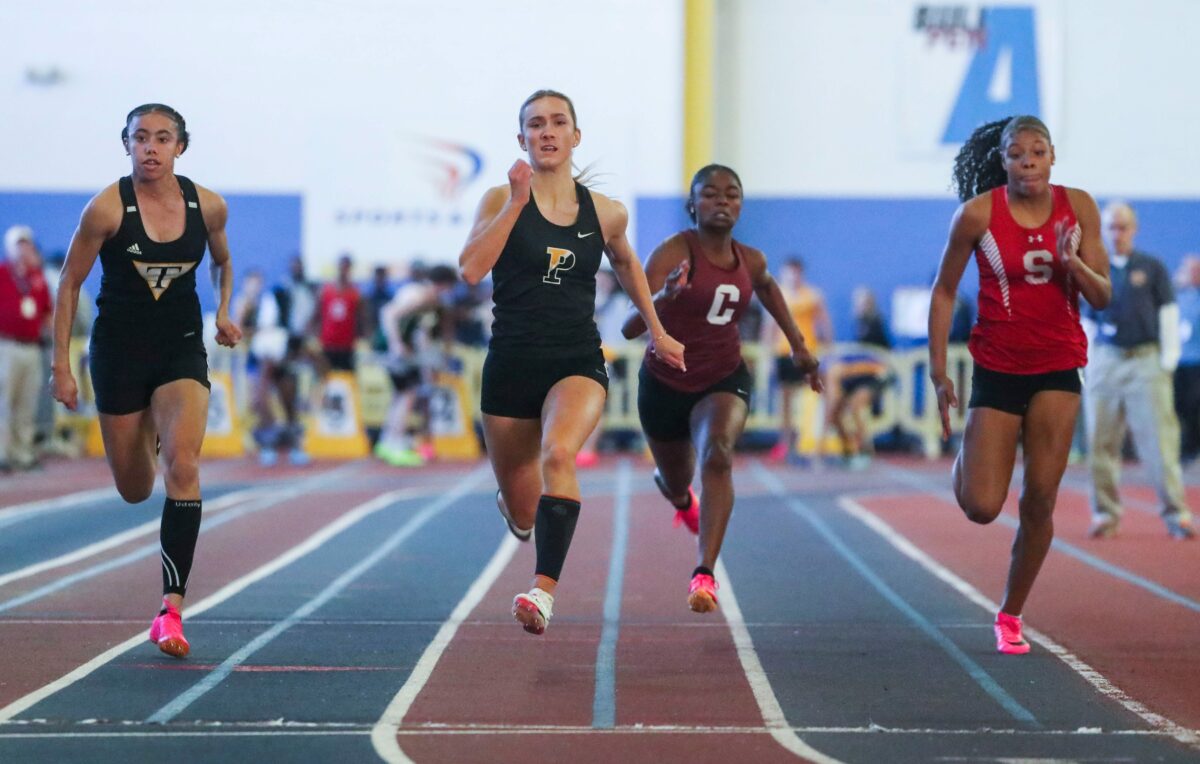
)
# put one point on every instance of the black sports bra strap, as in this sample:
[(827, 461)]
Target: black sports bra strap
[(128, 198)]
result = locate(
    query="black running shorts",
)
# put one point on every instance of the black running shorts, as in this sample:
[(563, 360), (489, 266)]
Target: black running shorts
[(517, 387), (1012, 392), (127, 368), (666, 413)]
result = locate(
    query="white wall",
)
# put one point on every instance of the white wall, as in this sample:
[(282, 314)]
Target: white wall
[(344, 102), (815, 96)]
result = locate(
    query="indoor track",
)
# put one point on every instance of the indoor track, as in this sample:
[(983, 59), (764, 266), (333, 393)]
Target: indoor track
[(351, 612)]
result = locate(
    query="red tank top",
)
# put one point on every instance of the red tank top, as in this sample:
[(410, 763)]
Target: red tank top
[(704, 317), (1028, 304)]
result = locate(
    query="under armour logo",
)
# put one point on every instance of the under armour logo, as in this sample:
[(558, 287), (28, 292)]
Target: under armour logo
[(1038, 237), (135, 249)]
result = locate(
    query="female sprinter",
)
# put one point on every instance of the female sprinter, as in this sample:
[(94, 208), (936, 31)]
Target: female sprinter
[(544, 384), (705, 278), (148, 364), (1037, 247)]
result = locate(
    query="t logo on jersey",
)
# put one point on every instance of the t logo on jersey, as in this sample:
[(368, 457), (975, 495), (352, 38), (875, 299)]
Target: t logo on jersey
[(159, 276), (560, 260)]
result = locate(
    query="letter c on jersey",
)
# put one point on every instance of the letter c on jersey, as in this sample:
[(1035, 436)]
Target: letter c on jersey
[(719, 314), (560, 260)]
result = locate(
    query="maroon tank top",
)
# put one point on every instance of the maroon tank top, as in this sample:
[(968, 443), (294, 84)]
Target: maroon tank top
[(704, 317)]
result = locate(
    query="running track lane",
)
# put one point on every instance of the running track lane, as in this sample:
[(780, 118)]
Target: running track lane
[(1142, 643), (49, 650), (674, 670)]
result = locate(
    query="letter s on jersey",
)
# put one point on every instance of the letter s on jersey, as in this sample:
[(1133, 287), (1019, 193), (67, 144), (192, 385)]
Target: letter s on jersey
[(1037, 266), (721, 311), (560, 260)]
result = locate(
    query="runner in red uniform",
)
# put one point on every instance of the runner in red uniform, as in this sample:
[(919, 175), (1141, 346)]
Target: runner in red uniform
[(1038, 248), (703, 280)]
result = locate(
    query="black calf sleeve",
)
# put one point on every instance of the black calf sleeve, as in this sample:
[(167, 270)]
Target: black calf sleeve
[(553, 528), (177, 537)]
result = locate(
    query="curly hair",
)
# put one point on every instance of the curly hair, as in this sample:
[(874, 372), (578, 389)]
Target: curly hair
[(979, 166)]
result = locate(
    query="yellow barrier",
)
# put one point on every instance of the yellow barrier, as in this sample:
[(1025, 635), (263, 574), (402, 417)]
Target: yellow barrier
[(335, 429)]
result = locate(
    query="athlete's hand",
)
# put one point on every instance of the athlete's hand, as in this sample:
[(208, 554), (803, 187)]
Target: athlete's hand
[(946, 400), (228, 333), (519, 176), (809, 366), (64, 389), (1068, 249), (677, 280), (669, 349)]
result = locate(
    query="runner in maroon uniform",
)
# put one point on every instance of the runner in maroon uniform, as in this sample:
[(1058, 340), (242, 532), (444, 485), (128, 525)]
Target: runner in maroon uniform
[(705, 278), (1038, 248)]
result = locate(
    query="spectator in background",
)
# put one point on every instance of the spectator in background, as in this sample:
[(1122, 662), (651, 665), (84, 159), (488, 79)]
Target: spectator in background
[(807, 306), (341, 317), (379, 293), (1187, 374), (245, 308), (285, 320), (612, 306), (962, 319), (25, 311), (1133, 357), (856, 378), (410, 353)]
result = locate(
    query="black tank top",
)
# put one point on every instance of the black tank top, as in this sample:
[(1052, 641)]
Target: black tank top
[(544, 284), (151, 286)]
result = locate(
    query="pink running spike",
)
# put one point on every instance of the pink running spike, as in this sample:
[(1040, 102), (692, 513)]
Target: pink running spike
[(690, 516), (1008, 635), (167, 632), (702, 594)]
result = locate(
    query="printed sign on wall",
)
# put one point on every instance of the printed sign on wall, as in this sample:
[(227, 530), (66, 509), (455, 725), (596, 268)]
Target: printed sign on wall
[(966, 64)]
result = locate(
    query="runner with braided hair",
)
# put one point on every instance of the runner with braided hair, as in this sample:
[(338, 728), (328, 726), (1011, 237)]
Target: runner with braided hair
[(1038, 248)]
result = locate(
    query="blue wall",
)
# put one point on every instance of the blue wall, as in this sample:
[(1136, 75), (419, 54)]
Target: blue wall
[(263, 229), (884, 243)]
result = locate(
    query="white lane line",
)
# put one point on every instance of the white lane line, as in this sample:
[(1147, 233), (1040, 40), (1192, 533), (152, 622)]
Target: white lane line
[(760, 684), (82, 553), (383, 734), (273, 498), (15, 512), (310, 544), (283, 729), (1092, 676), (339, 584)]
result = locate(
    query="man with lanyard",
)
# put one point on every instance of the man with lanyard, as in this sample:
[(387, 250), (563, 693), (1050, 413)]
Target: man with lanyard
[(1135, 349), (25, 311)]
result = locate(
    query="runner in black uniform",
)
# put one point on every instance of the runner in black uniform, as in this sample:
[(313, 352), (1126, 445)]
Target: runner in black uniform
[(544, 382), (148, 365)]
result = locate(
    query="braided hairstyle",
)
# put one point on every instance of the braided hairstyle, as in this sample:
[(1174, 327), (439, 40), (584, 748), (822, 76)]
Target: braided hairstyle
[(159, 108), (979, 166)]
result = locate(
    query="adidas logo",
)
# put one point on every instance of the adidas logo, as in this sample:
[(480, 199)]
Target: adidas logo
[(134, 249)]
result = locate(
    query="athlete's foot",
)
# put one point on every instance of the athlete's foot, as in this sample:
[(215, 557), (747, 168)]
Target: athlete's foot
[(521, 533), (1008, 634), (702, 594), (298, 458), (1180, 529), (586, 459), (167, 631), (532, 609), (687, 510), (1104, 528), (268, 457)]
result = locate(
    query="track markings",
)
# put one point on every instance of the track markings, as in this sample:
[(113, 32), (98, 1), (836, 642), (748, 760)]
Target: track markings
[(305, 547), (604, 703), (336, 587), (923, 624), (1157, 722)]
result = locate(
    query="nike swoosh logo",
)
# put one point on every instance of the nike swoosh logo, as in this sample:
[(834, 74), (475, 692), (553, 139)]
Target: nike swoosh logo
[(584, 235)]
